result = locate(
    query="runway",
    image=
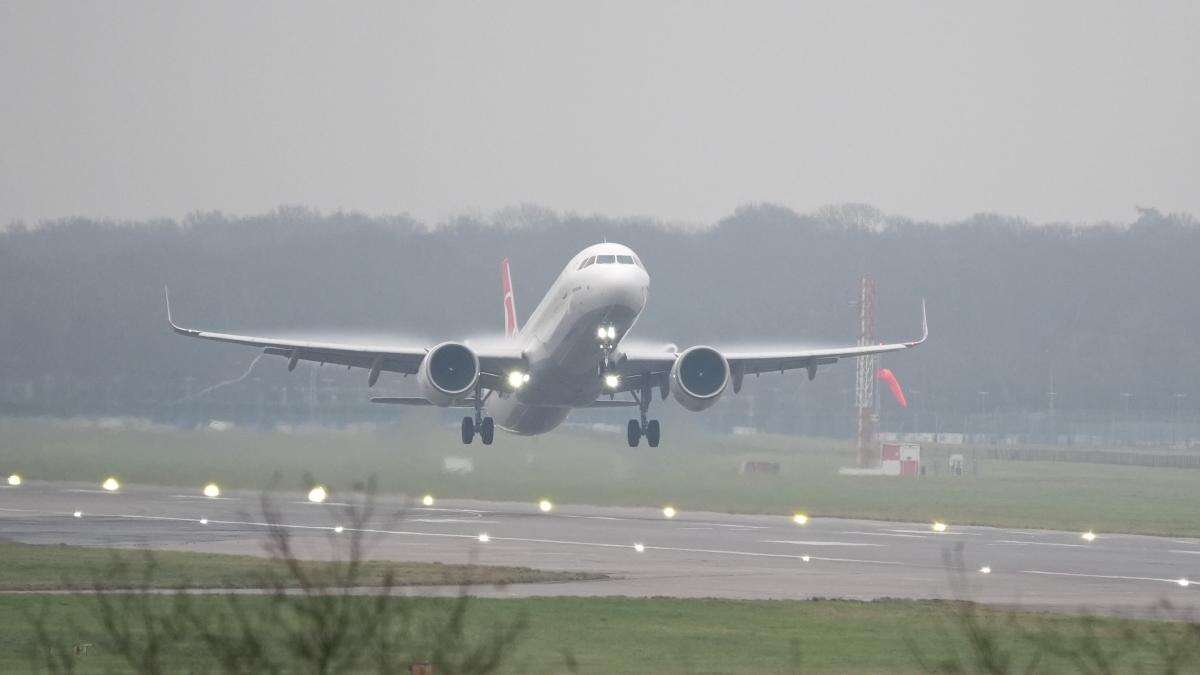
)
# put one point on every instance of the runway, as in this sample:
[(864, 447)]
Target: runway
[(694, 554)]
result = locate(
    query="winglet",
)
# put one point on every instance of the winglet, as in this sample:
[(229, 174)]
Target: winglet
[(175, 327), (924, 326)]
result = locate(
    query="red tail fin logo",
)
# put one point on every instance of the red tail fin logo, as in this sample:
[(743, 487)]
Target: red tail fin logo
[(510, 305)]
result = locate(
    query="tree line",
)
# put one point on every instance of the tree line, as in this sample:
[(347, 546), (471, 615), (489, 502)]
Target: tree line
[(1088, 318)]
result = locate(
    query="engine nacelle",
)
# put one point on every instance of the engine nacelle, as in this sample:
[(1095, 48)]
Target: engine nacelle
[(448, 373), (699, 377)]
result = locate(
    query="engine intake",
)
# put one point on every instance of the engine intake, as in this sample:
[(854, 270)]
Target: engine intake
[(699, 377), (448, 372)]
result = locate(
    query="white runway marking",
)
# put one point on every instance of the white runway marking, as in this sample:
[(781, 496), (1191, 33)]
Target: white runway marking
[(1179, 550), (206, 499), (473, 521), (949, 531), (1039, 543), (819, 543), (595, 517), (1100, 576), (889, 534)]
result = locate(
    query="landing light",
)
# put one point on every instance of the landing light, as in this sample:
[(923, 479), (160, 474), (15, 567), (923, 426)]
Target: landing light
[(612, 381), (640, 548), (484, 538), (516, 378), (212, 490), (317, 494), (601, 332), (14, 480), (939, 526), (545, 506), (612, 332), (1088, 536), (800, 519), (668, 511), (1184, 583), (111, 484), (427, 500), (204, 521), (338, 529)]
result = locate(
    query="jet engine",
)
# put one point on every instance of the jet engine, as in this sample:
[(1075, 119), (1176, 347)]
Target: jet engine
[(448, 373), (698, 378)]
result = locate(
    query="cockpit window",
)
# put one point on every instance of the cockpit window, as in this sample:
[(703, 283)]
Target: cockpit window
[(625, 259), (587, 262), (606, 259)]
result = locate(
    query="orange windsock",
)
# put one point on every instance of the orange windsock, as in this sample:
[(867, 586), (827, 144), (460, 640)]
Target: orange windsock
[(893, 384)]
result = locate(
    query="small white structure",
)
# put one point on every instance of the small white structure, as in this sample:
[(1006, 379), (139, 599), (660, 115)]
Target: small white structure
[(461, 465), (956, 465)]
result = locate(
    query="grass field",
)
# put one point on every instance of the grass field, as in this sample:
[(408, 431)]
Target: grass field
[(699, 472), (44, 567), (663, 635)]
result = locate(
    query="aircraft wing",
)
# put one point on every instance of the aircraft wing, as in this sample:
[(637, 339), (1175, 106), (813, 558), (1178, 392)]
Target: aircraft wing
[(653, 368), (375, 358)]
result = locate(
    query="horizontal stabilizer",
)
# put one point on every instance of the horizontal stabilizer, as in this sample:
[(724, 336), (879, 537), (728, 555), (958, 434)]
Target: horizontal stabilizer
[(611, 404), (401, 400), (417, 400)]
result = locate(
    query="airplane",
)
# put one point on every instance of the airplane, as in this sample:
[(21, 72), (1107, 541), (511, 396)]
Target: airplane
[(567, 355)]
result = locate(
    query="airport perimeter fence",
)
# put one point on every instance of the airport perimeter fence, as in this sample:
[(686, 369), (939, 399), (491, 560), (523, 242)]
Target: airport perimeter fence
[(1124, 458)]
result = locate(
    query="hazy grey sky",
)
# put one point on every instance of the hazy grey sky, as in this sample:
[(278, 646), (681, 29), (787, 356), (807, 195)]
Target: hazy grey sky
[(683, 110)]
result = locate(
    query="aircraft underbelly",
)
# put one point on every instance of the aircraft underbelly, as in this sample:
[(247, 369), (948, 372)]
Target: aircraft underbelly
[(563, 371)]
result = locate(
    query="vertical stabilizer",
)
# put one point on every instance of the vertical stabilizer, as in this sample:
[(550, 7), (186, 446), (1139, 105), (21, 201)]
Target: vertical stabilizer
[(510, 305)]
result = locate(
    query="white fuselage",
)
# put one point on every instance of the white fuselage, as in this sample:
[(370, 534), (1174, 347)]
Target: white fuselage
[(560, 338)]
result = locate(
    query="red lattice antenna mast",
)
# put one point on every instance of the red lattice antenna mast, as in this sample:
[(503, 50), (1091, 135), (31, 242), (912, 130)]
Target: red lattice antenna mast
[(864, 388)]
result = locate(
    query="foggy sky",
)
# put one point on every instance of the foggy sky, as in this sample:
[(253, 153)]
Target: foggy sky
[(1063, 111)]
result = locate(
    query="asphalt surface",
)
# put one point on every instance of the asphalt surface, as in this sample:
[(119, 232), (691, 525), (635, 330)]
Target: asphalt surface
[(690, 555)]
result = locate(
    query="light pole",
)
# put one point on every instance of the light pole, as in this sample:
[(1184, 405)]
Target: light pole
[(983, 409), (1178, 420), (1127, 396)]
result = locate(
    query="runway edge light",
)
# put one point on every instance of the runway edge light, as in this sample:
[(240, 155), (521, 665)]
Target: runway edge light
[(14, 480), (318, 494), (212, 490), (110, 484), (427, 500)]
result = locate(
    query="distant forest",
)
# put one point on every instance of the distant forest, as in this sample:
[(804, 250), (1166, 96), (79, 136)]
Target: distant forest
[(1105, 316)]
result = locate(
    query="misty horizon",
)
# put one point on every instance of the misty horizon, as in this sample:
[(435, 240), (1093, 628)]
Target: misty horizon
[(1069, 112)]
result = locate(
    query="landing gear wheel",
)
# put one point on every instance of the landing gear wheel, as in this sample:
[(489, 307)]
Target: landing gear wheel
[(468, 430), (487, 430), (634, 433), (652, 433)]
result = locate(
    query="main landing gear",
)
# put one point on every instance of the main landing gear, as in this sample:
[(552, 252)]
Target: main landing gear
[(484, 426), (641, 427)]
